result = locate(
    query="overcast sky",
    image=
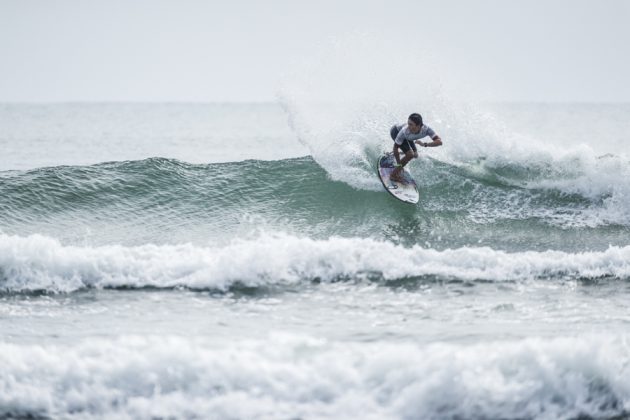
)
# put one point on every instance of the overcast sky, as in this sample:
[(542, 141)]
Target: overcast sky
[(237, 50)]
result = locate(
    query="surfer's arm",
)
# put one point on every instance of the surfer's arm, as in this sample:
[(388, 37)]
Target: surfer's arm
[(437, 141)]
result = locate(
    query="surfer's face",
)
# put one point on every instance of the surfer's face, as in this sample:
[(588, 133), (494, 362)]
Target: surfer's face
[(413, 127)]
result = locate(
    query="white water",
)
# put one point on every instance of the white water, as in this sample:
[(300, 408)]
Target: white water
[(306, 377), (40, 263)]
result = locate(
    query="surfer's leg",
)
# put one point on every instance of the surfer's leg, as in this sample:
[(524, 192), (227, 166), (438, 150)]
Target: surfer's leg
[(397, 174), (407, 148), (415, 151), (410, 152), (408, 156)]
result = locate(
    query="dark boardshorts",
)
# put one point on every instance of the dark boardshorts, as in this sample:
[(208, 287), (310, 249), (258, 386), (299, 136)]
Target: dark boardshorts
[(407, 144)]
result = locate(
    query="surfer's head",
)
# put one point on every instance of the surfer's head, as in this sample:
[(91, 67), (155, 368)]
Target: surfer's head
[(415, 122)]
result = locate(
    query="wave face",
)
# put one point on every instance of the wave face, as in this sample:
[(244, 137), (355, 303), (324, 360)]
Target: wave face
[(167, 201)]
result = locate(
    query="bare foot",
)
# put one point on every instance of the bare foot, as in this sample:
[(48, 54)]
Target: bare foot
[(396, 176)]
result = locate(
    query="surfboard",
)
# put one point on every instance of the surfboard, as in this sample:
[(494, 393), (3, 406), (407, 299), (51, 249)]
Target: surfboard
[(407, 190)]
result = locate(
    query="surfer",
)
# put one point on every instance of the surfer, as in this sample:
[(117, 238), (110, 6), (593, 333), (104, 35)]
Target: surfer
[(405, 137)]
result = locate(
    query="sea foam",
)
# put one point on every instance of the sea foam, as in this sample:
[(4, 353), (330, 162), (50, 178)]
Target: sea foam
[(41, 263), (290, 376)]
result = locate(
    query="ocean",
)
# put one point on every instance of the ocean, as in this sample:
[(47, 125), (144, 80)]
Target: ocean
[(242, 261)]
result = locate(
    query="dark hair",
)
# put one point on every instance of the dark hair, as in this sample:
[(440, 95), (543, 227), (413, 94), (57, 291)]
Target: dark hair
[(416, 118)]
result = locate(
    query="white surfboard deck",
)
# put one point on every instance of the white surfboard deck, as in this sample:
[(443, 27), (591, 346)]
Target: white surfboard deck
[(407, 190)]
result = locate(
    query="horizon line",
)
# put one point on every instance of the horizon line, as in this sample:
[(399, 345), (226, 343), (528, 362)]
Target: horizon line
[(269, 102)]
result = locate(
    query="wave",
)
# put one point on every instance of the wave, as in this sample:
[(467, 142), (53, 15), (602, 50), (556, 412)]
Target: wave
[(291, 376), (38, 263), (343, 115), (298, 192)]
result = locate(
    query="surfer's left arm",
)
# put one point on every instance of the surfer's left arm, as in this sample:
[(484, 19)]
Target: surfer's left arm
[(437, 141)]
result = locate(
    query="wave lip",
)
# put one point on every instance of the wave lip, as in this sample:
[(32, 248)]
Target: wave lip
[(290, 376), (39, 263)]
